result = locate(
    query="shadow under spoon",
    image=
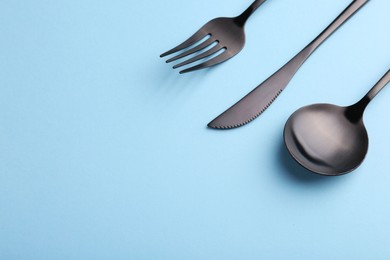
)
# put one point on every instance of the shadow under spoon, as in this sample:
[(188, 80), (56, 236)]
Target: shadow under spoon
[(328, 139)]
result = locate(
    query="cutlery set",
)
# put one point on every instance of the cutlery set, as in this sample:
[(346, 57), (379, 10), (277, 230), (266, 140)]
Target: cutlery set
[(325, 139)]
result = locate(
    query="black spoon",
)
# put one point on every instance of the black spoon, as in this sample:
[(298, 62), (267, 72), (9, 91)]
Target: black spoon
[(328, 139)]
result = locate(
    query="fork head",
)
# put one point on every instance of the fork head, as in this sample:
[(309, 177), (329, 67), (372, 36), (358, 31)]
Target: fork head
[(217, 41)]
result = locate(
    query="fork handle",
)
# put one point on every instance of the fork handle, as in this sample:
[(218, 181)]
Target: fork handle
[(242, 18)]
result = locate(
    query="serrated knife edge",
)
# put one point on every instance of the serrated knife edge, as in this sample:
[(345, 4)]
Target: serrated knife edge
[(258, 100)]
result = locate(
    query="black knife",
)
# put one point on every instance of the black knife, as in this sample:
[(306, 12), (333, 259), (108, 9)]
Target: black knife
[(259, 99)]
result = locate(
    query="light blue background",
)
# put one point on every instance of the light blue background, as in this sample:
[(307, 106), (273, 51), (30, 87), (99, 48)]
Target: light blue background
[(105, 153)]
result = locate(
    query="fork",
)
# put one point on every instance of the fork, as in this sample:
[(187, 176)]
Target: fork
[(220, 38)]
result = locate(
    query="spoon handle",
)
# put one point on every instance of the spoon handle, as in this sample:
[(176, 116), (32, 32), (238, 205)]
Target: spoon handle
[(378, 86), (355, 112)]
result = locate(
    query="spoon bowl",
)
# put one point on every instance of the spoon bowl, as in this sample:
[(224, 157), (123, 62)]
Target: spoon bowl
[(324, 140), (330, 140)]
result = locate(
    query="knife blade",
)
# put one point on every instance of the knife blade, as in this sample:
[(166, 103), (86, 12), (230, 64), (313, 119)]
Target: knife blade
[(259, 99)]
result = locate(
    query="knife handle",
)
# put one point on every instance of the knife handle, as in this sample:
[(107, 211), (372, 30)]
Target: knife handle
[(259, 99), (340, 20), (282, 77)]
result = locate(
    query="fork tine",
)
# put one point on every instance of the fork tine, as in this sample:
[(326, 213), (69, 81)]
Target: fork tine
[(187, 43), (218, 59), (199, 47), (200, 56)]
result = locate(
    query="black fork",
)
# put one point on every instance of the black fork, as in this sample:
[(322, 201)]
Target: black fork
[(219, 40)]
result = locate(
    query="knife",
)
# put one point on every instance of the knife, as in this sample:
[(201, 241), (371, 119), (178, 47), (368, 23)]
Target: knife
[(259, 99)]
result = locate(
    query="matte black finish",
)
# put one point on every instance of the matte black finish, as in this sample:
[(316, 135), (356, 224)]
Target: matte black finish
[(224, 35), (257, 101), (328, 139)]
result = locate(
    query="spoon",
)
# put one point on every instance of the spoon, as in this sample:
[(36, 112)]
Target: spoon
[(328, 139)]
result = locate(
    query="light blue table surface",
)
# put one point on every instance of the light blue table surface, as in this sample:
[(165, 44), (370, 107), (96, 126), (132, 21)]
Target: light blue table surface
[(105, 153)]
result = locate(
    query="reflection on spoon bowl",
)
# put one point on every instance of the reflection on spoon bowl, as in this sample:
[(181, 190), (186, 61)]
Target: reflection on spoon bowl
[(323, 140), (328, 139)]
